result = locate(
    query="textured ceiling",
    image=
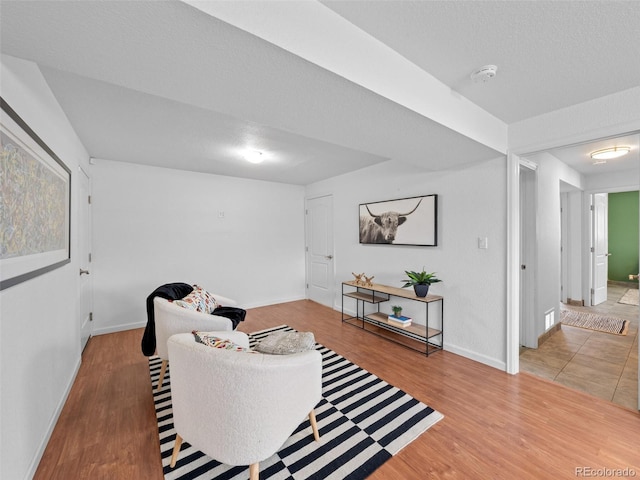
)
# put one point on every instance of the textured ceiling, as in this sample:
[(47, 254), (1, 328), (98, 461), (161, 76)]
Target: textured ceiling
[(578, 156), (171, 134), (550, 54), (162, 83)]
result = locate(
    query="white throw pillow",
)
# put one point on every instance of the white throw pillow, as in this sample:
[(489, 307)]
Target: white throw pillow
[(284, 343), (199, 300)]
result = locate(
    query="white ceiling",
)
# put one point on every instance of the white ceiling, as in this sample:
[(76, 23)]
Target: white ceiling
[(162, 83), (550, 54), (578, 156)]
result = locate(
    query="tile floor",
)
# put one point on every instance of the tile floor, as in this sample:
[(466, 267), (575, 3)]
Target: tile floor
[(601, 364)]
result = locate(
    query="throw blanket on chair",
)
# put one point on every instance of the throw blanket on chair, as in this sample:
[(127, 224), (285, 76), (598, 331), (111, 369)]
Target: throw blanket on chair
[(236, 315), (170, 291)]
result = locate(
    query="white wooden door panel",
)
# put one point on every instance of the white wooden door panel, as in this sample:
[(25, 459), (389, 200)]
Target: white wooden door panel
[(320, 277)]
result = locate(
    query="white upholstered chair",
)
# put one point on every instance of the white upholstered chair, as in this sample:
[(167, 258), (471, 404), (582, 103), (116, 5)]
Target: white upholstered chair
[(239, 408), (171, 319)]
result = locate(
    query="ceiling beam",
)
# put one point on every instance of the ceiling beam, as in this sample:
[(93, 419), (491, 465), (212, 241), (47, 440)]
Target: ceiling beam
[(317, 34)]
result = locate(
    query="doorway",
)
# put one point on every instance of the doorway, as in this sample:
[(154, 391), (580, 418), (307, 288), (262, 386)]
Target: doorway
[(601, 364), (319, 250)]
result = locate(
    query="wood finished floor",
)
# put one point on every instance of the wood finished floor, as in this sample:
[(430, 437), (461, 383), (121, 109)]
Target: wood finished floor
[(496, 426)]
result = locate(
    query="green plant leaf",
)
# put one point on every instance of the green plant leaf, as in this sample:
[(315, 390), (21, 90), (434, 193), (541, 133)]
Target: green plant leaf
[(420, 278)]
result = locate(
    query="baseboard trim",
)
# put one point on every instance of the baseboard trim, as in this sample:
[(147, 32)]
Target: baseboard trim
[(546, 335), (619, 283), (449, 347), (118, 328), (575, 303), (272, 302), (477, 357), (133, 326)]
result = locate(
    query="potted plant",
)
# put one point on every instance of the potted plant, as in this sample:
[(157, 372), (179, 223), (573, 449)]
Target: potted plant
[(420, 281), (397, 310)]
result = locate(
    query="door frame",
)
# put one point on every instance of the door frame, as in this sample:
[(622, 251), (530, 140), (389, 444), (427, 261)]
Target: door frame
[(513, 263)]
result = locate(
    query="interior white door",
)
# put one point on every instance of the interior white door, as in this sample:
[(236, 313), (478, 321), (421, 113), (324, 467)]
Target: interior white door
[(319, 250), (600, 249), (527, 256), (84, 256)]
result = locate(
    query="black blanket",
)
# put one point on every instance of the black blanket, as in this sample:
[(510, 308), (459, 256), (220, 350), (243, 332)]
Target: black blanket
[(236, 315), (170, 291), (176, 291)]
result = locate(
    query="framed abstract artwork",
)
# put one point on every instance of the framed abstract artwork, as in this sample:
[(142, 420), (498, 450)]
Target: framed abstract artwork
[(405, 221), (35, 203)]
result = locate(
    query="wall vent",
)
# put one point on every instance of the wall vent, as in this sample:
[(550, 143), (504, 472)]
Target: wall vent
[(549, 319)]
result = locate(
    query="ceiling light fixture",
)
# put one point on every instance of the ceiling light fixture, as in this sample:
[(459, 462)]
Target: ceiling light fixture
[(484, 74), (253, 156), (609, 153)]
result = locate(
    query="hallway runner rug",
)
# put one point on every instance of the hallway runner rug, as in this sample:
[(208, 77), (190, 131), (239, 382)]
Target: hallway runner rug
[(630, 297), (363, 421), (592, 321)]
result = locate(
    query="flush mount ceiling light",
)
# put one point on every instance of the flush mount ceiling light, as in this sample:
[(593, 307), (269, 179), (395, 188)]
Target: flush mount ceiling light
[(253, 156), (484, 74), (601, 156)]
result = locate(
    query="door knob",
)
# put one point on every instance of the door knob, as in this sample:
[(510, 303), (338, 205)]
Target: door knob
[(328, 257), (85, 272)]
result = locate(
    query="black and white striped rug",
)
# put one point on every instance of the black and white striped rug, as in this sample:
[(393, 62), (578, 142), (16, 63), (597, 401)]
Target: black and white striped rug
[(363, 421)]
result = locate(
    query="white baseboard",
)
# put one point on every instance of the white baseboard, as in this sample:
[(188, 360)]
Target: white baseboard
[(247, 306), (119, 328), (477, 357), (463, 352), (132, 326), (347, 311), (33, 467)]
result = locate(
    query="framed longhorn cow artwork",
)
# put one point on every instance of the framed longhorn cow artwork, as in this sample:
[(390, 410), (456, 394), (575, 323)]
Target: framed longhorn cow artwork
[(405, 221)]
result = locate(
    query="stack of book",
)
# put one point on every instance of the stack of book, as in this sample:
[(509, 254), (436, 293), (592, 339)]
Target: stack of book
[(400, 321)]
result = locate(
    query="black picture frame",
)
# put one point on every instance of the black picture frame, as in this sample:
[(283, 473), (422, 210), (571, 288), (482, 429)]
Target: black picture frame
[(404, 221), (35, 203)]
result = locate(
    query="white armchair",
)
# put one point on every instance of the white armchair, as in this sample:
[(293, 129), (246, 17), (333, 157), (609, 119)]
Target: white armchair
[(237, 407), (171, 319)]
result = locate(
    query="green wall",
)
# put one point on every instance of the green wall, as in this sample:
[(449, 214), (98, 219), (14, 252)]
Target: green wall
[(623, 235)]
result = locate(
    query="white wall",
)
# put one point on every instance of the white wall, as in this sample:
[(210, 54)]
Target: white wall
[(40, 329), (551, 172), (156, 225), (472, 204), (624, 181)]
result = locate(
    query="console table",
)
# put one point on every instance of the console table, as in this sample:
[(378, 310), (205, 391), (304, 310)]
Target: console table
[(375, 295)]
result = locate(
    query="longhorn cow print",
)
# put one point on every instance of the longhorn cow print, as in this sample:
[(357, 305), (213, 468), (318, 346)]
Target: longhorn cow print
[(382, 228)]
